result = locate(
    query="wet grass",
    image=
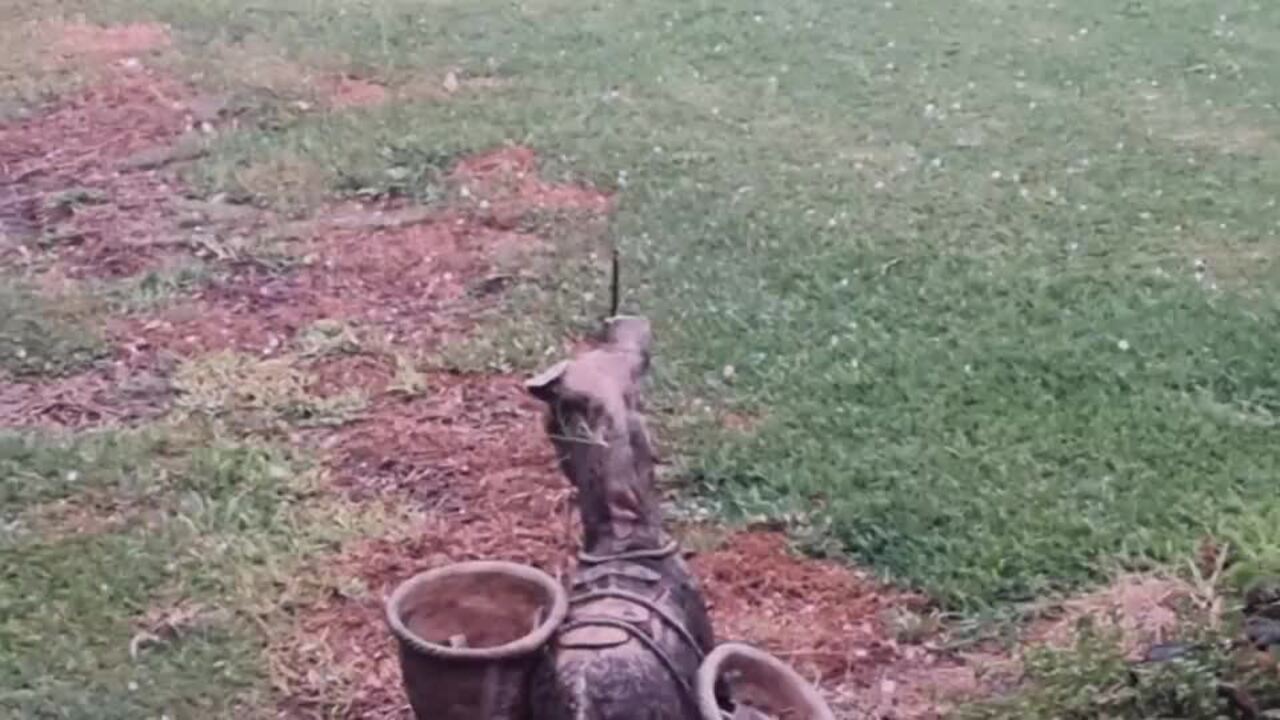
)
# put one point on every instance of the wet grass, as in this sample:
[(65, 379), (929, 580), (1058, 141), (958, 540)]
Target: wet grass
[(156, 289), (71, 611), (42, 334), (252, 393), (1207, 677), (991, 290), (40, 469), (160, 613), (997, 280)]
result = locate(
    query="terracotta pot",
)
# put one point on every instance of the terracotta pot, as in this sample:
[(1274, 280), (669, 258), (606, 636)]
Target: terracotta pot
[(760, 685), (470, 634)]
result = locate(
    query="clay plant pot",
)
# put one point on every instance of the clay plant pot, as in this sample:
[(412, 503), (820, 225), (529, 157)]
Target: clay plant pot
[(760, 685), (470, 634)]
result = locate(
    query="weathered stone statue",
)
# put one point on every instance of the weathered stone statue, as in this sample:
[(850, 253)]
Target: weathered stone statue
[(637, 628), (632, 640)]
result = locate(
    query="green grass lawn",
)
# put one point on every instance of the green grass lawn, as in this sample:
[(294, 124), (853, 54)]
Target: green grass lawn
[(131, 561), (996, 281), (44, 336)]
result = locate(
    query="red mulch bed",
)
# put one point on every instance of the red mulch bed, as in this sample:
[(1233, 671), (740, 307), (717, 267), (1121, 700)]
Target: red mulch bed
[(419, 283), (411, 282), (116, 394), (504, 185), (823, 617), (64, 179)]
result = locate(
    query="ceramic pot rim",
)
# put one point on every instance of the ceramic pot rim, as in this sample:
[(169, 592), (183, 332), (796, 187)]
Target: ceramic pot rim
[(710, 671), (524, 645)]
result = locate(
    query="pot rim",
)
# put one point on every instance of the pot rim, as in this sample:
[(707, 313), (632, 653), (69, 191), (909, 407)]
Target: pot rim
[(709, 672), (524, 645)]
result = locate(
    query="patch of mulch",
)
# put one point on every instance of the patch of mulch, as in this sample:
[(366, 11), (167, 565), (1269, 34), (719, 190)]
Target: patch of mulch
[(466, 441), (261, 321), (831, 622), (418, 282), (821, 616), (113, 395), (404, 279), (87, 182), (339, 662), (504, 185), (417, 274), (336, 374)]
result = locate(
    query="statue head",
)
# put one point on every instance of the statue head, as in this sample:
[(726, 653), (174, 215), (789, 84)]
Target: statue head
[(601, 442)]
